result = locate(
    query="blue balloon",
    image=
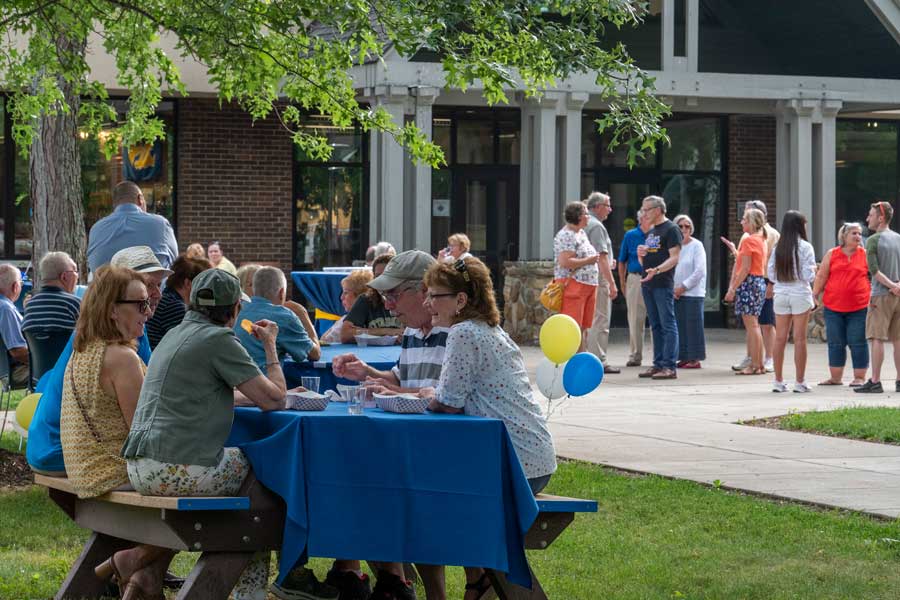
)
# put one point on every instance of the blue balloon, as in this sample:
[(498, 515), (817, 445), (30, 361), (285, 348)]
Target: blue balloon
[(582, 375)]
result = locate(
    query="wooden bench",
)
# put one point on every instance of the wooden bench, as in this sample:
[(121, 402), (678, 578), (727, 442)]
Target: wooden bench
[(227, 531)]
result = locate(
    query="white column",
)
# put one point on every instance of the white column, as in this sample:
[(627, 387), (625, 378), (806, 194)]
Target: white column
[(693, 34), (824, 227), (571, 159), (668, 35), (537, 178), (386, 206), (782, 162), (801, 155), (419, 204)]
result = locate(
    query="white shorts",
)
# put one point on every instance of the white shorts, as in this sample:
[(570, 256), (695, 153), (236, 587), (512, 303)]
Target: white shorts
[(792, 305)]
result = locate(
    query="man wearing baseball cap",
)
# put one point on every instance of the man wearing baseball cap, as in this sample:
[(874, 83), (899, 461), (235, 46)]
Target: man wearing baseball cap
[(421, 357)]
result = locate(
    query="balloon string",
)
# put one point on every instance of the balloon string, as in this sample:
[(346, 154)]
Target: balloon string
[(551, 407)]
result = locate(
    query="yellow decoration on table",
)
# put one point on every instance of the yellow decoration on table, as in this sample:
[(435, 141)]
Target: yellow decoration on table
[(321, 314), (25, 410), (560, 338)]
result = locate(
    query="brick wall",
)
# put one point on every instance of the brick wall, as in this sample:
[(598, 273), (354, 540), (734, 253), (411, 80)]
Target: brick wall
[(751, 166), (234, 183)]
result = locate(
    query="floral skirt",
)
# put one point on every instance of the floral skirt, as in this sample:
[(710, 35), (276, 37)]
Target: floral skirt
[(750, 296), (154, 478)]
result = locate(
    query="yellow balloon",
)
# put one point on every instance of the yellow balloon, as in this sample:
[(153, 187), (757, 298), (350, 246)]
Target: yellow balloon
[(560, 338), (25, 410)]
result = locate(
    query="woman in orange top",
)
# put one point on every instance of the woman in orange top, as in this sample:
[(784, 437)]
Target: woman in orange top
[(748, 286), (844, 277)]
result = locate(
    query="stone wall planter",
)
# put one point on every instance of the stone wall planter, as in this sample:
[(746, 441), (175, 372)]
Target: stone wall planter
[(523, 312)]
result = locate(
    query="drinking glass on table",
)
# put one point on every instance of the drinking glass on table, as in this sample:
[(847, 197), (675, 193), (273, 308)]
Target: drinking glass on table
[(355, 405), (310, 383)]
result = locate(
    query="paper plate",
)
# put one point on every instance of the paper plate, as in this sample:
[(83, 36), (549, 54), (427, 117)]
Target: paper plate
[(306, 401)]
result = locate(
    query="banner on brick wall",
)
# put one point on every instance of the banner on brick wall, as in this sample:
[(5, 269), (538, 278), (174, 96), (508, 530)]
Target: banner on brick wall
[(142, 162)]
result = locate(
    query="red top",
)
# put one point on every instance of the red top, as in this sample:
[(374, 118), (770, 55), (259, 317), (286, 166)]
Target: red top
[(847, 288)]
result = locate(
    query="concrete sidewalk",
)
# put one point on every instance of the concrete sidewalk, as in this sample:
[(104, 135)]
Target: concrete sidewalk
[(686, 429)]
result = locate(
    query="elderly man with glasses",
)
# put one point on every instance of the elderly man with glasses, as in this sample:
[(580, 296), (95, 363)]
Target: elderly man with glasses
[(421, 357), (55, 308), (599, 207)]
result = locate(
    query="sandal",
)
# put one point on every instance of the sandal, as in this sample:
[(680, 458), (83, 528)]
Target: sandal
[(108, 571), (751, 371), (831, 382), (482, 586)]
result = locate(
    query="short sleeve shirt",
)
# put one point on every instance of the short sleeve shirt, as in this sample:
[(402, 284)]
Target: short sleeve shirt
[(484, 374), (364, 314), (659, 241), (567, 240), (754, 247), (11, 324), (186, 406)]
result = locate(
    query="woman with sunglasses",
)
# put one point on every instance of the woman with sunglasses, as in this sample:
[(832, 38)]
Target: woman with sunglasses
[(690, 290), (101, 386)]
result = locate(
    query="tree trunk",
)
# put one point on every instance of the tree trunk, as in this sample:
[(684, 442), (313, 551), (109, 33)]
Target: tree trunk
[(55, 168)]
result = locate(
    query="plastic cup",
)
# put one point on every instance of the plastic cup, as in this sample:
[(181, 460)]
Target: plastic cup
[(355, 405), (310, 383)]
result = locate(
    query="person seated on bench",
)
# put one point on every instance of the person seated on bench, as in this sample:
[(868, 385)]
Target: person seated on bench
[(484, 374), (44, 449), (100, 391), (186, 406)]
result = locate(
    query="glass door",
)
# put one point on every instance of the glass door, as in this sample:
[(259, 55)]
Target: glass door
[(485, 206)]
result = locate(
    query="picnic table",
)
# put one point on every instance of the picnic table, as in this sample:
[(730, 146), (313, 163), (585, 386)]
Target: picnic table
[(380, 357), (432, 488)]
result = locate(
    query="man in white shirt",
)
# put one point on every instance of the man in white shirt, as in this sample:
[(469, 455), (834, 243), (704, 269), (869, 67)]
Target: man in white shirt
[(599, 206)]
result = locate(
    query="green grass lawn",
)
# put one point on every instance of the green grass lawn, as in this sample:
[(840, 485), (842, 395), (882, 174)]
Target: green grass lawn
[(874, 424), (652, 538), (15, 398)]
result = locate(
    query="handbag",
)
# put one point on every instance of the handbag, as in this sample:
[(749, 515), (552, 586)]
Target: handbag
[(552, 294)]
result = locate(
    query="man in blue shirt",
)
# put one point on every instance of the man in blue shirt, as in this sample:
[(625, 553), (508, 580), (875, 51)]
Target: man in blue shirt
[(44, 450), (11, 324), (295, 338), (631, 289), (130, 225)]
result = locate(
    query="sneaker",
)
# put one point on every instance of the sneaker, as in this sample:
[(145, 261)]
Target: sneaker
[(301, 584), (869, 387), (649, 372), (770, 365), (743, 364), (390, 587), (351, 585), (779, 387), (611, 370), (665, 374), (801, 388)]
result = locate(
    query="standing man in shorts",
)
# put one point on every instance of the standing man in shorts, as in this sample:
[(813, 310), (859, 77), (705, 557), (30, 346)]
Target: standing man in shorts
[(883, 318)]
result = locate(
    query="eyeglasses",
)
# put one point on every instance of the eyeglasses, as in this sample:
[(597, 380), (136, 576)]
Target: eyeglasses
[(394, 295), (429, 296), (684, 226), (143, 305)]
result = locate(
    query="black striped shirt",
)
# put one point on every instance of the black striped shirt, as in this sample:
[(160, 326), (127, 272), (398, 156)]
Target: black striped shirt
[(169, 314), (51, 309)]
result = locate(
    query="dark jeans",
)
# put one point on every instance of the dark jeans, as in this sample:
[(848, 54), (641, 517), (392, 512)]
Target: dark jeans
[(847, 329), (691, 340), (660, 303)]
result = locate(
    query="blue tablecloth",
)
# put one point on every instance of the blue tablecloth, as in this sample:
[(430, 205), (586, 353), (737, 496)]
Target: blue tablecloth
[(435, 489), (380, 357), (322, 289)]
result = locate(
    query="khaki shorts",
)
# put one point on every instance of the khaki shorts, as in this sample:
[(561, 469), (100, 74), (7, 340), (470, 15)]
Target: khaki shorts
[(883, 318)]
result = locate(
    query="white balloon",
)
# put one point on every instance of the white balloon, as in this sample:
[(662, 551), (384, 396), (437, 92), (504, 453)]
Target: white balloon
[(550, 379)]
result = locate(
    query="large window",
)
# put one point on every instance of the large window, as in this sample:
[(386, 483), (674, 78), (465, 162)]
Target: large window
[(151, 166), (867, 166), (328, 199), (689, 174)]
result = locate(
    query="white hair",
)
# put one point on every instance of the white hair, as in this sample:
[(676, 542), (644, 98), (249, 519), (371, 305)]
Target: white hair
[(677, 220), (9, 274), (384, 248), (656, 202), (54, 264), (267, 282)]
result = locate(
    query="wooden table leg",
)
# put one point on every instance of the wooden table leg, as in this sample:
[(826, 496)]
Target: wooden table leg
[(214, 575), (510, 591), (81, 583)]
